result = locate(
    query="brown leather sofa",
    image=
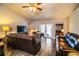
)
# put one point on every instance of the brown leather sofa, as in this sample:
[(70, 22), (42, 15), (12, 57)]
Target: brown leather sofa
[(24, 42)]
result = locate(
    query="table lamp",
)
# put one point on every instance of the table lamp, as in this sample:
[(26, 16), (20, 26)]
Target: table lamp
[(6, 29)]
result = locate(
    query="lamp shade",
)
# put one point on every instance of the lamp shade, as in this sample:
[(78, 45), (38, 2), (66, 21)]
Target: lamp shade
[(6, 28)]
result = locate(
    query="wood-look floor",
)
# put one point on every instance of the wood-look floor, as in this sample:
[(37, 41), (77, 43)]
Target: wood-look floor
[(46, 49)]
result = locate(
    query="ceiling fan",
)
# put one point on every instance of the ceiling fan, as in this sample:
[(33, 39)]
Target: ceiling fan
[(33, 6)]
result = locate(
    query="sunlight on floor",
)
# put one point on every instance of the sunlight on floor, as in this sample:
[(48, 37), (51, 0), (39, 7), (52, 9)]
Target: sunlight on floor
[(46, 47), (49, 45)]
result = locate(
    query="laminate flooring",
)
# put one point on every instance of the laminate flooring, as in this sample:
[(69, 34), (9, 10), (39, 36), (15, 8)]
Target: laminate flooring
[(47, 49)]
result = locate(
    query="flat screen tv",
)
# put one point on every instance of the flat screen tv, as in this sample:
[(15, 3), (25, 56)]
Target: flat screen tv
[(21, 29)]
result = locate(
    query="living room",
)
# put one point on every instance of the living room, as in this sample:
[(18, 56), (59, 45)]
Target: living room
[(19, 21)]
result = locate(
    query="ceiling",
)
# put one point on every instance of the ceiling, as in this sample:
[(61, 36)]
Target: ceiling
[(50, 10)]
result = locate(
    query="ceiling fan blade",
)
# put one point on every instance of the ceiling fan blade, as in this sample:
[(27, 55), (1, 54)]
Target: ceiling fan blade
[(31, 4), (39, 3), (38, 8), (25, 6)]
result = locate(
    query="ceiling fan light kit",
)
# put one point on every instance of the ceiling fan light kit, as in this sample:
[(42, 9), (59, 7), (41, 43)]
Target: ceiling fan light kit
[(33, 7)]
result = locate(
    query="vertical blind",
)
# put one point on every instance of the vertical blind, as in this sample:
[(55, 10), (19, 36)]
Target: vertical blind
[(46, 29)]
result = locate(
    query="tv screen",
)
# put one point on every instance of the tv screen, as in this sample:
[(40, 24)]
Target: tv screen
[(21, 29)]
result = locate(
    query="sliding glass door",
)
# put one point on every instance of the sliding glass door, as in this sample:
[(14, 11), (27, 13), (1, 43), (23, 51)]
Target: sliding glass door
[(42, 28), (49, 29), (46, 29)]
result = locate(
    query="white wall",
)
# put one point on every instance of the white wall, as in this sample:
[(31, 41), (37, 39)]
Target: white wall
[(35, 24), (8, 17), (74, 22)]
